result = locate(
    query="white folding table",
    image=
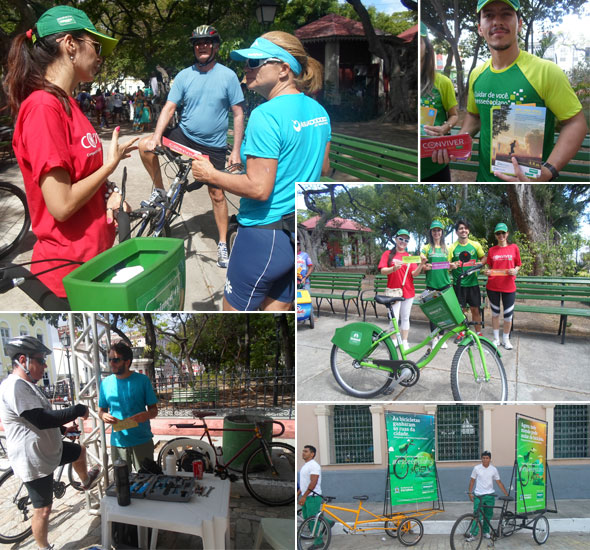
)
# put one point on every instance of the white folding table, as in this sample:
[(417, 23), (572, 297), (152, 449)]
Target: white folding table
[(205, 517)]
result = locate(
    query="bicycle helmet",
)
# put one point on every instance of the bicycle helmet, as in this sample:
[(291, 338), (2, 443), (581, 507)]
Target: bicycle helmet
[(205, 31), (25, 345)]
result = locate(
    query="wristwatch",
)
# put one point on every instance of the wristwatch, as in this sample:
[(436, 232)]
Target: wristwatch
[(552, 169)]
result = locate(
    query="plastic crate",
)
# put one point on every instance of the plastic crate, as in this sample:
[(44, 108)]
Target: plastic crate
[(442, 307), (160, 287)]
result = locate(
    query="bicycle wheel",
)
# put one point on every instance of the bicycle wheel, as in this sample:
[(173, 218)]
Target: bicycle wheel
[(269, 474), (391, 527), (14, 217), (541, 530), (314, 533), (410, 531), (468, 378), (357, 380), (16, 509), (401, 467), (300, 520), (178, 445), (508, 525), (466, 533), (4, 464)]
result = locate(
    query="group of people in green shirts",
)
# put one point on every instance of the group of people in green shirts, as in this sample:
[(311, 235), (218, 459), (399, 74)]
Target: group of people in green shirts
[(440, 263), (510, 76)]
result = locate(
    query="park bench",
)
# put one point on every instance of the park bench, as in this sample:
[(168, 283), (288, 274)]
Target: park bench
[(369, 160), (577, 170), (336, 286), (194, 395), (566, 290)]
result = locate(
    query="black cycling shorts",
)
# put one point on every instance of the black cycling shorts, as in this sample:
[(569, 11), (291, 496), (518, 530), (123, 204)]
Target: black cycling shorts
[(41, 489), (468, 295), (216, 154)]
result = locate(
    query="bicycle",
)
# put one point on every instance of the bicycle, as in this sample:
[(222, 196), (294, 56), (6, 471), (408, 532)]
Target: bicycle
[(365, 359), (315, 531), (15, 219), (467, 532), (268, 472), (16, 509), (4, 464)]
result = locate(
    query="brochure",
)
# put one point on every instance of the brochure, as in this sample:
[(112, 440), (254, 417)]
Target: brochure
[(517, 130), (458, 146), (182, 149), (427, 117)]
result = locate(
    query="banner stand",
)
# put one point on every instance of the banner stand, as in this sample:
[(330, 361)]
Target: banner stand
[(517, 478)]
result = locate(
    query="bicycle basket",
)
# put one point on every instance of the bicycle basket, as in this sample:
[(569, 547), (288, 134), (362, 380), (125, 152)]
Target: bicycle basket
[(442, 307)]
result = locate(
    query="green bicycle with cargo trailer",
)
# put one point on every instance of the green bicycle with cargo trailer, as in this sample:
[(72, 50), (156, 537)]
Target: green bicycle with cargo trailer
[(367, 361)]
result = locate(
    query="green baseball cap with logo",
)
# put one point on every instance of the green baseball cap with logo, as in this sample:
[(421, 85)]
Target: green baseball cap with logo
[(501, 227), (514, 4), (402, 232), (66, 18), (436, 224)]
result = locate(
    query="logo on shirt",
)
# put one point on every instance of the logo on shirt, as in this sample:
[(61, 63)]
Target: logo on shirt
[(320, 121), (90, 141)]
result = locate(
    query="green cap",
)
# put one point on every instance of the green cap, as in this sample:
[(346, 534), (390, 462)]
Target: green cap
[(423, 29), (402, 232), (436, 223), (501, 227), (66, 18), (514, 4)]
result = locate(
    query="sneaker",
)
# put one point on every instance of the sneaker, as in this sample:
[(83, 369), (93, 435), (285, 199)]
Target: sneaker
[(158, 196), (469, 538), (497, 342), (480, 333), (486, 536), (507, 344), (93, 477), (459, 337), (222, 256)]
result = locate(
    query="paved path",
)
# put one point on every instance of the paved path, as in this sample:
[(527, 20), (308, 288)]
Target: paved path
[(539, 368), (204, 284)]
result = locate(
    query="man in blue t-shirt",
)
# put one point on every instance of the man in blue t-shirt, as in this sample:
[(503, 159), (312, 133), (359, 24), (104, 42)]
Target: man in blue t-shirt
[(124, 396), (206, 91)]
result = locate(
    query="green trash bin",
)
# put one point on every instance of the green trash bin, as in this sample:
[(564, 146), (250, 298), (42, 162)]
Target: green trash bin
[(234, 441), (159, 287)]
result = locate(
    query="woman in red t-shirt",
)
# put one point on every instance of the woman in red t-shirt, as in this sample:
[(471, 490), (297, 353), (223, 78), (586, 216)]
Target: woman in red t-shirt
[(57, 148), (400, 275), (503, 263)]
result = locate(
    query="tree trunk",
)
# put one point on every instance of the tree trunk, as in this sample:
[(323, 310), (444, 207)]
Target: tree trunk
[(150, 344), (287, 345)]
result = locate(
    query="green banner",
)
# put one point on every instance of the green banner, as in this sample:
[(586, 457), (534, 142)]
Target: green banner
[(531, 464), (412, 470)]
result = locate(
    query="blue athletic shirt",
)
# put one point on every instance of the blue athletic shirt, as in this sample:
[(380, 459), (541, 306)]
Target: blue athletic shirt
[(294, 129), (124, 398), (206, 99)]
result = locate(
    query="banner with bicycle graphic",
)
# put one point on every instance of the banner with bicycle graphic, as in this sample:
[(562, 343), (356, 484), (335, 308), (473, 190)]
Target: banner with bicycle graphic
[(411, 457), (531, 464)]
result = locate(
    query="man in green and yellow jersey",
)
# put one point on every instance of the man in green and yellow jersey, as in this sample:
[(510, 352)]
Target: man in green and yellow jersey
[(513, 76), (467, 289)]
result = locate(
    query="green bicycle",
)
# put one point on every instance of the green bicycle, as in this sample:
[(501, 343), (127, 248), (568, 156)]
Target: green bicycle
[(367, 361)]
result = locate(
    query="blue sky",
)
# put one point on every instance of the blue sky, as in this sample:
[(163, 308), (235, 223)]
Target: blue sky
[(385, 6)]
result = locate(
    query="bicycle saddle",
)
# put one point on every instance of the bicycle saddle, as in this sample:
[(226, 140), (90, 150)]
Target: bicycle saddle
[(328, 499), (203, 414), (508, 498), (361, 497), (387, 300)]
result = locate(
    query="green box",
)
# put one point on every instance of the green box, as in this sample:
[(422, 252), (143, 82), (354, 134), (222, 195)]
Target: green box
[(160, 287), (444, 311)]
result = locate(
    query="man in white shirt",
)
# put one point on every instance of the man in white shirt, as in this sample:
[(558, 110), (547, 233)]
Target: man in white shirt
[(310, 487), (483, 477)]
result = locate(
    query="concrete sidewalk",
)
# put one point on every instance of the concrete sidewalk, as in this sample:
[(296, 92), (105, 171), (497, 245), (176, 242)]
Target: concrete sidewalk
[(539, 368), (196, 226)]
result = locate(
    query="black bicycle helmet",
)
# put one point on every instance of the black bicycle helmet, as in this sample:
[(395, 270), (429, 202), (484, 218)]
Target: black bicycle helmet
[(205, 31), (25, 345)]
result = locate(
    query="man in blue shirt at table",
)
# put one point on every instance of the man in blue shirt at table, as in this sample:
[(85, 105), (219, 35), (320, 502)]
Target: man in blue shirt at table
[(128, 396)]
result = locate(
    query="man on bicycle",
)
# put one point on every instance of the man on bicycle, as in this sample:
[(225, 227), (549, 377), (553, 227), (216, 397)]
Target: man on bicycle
[(206, 91), (483, 477), (34, 432)]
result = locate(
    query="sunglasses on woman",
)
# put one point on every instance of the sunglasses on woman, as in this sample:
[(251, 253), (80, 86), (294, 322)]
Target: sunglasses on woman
[(403, 239), (255, 63), (97, 45), (501, 233)]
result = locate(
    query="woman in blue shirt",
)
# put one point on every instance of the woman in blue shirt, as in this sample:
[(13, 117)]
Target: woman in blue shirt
[(287, 141)]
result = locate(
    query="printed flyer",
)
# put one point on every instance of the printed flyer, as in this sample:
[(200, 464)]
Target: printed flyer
[(531, 463), (411, 457), (459, 146), (517, 130)]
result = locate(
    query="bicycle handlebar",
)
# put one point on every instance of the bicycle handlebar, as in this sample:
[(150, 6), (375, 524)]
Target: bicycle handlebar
[(470, 270)]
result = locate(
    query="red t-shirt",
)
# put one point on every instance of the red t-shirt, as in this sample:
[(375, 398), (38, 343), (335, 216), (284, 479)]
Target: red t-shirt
[(45, 137), (394, 280), (503, 257)]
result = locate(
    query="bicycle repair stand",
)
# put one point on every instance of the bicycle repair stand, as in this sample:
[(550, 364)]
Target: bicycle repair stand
[(437, 505), (549, 484)]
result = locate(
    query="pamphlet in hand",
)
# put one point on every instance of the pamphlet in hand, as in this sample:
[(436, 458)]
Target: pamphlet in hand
[(182, 149), (427, 117), (517, 131), (459, 146), (125, 424)]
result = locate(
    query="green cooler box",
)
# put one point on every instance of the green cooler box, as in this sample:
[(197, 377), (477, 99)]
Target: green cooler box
[(159, 287)]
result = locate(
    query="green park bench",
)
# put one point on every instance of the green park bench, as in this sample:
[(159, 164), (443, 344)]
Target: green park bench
[(577, 170), (369, 160), (336, 286), (566, 290), (194, 395)]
